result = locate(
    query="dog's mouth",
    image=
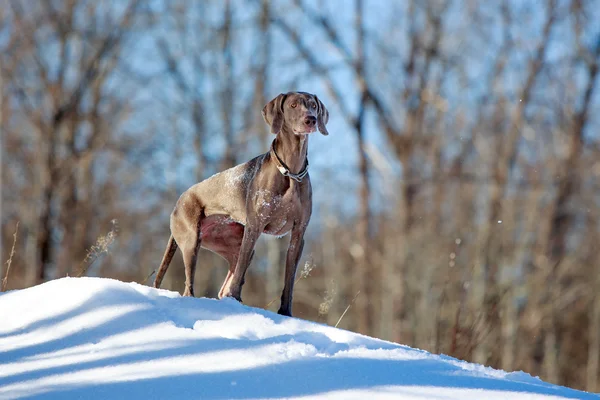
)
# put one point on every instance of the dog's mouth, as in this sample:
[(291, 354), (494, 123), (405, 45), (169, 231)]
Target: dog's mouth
[(305, 131)]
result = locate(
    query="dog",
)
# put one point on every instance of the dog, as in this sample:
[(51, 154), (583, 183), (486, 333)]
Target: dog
[(270, 194)]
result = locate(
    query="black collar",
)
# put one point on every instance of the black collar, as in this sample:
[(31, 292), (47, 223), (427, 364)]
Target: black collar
[(285, 171)]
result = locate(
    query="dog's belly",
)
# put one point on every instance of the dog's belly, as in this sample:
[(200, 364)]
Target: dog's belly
[(221, 234)]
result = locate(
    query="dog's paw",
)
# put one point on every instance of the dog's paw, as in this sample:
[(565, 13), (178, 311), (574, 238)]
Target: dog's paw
[(285, 311), (231, 294)]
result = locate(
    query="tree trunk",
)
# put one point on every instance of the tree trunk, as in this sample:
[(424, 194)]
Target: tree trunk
[(362, 247), (593, 361), (487, 264)]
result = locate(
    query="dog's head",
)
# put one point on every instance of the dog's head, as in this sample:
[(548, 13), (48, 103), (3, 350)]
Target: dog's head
[(301, 112)]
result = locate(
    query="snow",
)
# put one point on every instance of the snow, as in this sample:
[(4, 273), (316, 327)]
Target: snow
[(98, 338)]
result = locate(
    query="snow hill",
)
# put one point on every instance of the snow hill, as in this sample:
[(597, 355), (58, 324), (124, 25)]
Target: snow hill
[(92, 338)]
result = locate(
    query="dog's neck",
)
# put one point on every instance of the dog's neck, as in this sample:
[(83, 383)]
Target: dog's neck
[(291, 149)]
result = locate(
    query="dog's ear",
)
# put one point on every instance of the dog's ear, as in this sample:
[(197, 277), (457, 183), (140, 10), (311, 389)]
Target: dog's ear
[(273, 113), (322, 117)]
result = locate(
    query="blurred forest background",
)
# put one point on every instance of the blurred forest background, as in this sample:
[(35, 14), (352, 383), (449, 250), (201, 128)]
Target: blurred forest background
[(456, 199)]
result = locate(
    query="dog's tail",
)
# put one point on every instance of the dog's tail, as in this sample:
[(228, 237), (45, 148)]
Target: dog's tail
[(164, 265)]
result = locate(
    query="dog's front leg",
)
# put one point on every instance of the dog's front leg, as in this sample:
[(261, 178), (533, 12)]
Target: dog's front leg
[(234, 287), (291, 264)]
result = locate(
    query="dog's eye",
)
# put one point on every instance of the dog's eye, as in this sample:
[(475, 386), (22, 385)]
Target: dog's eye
[(294, 105), (313, 105)]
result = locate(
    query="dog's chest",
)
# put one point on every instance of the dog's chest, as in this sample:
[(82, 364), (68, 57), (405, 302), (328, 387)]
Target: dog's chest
[(278, 211)]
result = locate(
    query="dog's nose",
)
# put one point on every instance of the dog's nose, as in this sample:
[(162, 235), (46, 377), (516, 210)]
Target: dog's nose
[(310, 121)]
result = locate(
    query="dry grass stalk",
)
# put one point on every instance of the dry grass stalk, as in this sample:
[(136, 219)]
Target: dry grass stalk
[(9, 261), (148, 277), (347, 308), (330, 293), (100, 247)]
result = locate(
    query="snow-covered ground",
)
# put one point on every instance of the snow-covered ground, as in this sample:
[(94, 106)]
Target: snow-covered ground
[(91, 338)]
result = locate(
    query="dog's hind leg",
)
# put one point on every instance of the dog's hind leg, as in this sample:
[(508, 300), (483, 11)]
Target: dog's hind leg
[(164, 265), (189, 240), (190, 256)]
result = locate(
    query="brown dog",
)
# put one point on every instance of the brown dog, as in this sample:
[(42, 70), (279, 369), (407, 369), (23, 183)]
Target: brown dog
[(271, 193)]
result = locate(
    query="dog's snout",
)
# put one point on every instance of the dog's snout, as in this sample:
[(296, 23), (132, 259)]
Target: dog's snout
[(310, 121)]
